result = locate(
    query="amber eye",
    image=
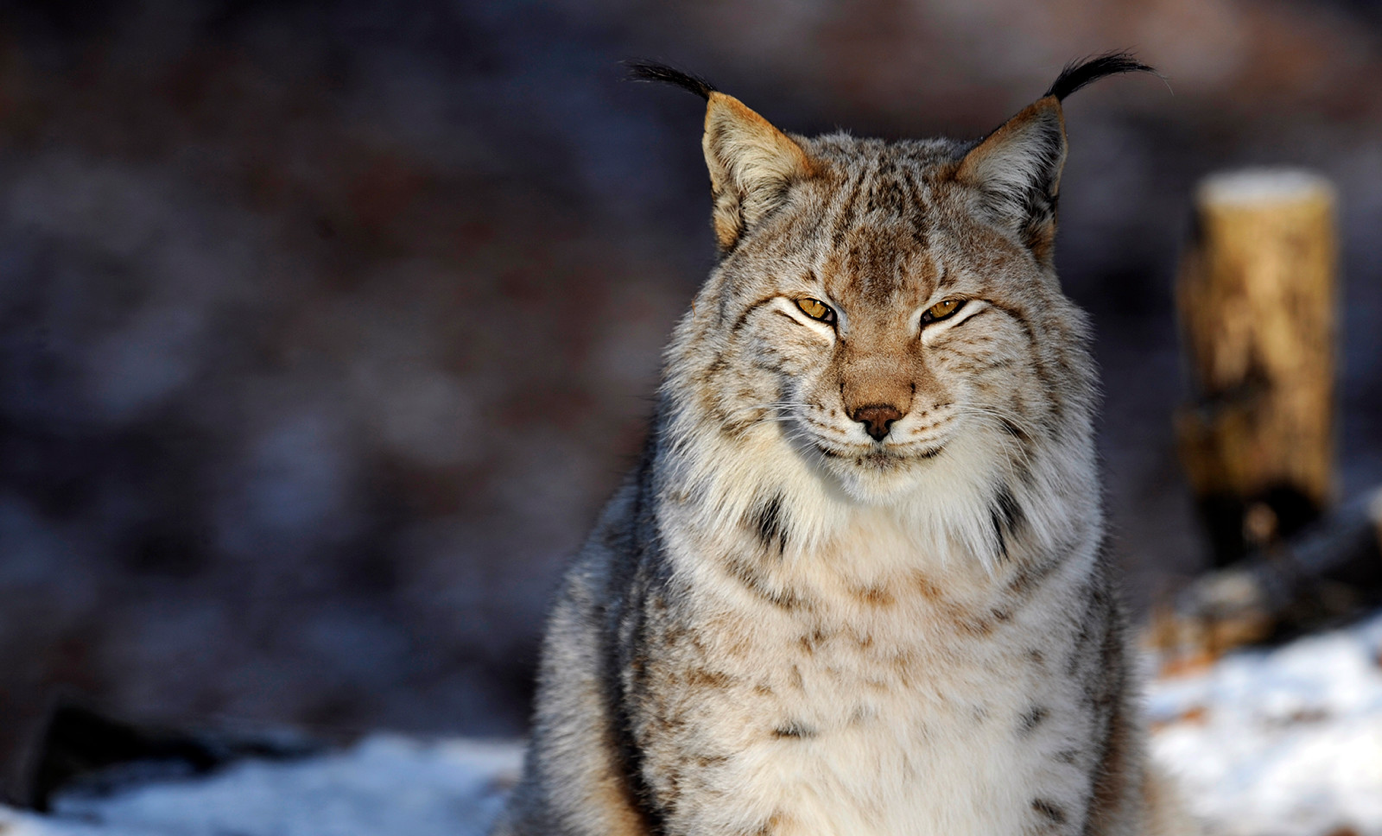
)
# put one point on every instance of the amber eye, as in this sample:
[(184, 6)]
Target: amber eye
[(816, 309), (941, 310)]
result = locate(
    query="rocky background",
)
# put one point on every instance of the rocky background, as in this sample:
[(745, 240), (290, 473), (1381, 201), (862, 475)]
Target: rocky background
[(327, 326)]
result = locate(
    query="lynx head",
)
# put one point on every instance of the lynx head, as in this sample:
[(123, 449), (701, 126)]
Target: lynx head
[(887, 313)]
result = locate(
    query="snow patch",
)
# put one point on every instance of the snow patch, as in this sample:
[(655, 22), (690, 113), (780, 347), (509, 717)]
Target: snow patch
[(1285, 742), (384, 785)]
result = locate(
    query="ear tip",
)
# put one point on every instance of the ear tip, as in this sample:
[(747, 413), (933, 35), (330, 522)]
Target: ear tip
[(1081, 72), (643, 70), (1045, 112), (723, 105)]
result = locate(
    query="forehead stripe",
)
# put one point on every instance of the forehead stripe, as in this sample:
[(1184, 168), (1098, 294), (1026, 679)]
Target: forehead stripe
[(844, 219)]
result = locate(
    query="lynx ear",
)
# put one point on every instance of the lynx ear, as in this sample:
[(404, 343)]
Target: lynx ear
[(1017, 171), (1017, 167), (751, 164)]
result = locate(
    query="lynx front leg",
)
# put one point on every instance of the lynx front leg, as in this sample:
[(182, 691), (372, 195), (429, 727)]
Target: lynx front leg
[(573, 783)]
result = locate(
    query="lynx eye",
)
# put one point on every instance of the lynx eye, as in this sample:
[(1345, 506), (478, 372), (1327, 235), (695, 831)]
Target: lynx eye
[(816, 309), (941, 310)]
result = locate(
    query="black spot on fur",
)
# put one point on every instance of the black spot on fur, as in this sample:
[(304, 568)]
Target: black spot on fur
[(1078, 73), (793, 729), (1051, 811), (1032, 718), (812, 640), (770, 524), (640, 70), (1011, 428), (1006, 516), (761, 586)]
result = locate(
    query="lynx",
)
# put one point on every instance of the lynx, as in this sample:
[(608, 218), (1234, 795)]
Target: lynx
[(857, 583)]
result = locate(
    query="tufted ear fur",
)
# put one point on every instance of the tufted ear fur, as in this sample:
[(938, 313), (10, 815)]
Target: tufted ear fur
[(1017, 171), (751, 163), (1017, 168)]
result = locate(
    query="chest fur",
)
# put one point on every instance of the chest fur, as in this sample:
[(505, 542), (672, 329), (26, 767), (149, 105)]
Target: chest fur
[(826, 707)]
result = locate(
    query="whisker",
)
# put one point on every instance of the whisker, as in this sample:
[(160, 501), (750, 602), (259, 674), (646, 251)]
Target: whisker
[(1017, 421), (1008, 444)]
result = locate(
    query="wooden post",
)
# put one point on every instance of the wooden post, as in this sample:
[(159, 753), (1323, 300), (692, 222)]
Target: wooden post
[(1256, 300)]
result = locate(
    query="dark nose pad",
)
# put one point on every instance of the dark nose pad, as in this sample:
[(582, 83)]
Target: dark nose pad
[(877, 419)]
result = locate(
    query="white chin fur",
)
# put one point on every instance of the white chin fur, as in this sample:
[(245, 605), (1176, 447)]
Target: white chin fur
[(960, 457), (945, 499), (881, 484), (941, 505)]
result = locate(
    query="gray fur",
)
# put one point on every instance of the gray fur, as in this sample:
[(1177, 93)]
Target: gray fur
[(781, 625)]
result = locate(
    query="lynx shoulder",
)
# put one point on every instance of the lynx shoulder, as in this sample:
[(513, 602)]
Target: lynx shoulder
[(856, 584)]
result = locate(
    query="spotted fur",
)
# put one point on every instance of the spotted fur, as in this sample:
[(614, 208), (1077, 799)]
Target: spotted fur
[(784, 625)]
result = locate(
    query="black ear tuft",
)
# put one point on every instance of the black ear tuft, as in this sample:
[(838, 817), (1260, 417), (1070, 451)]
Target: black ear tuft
[(1080, 72), (640, 70)]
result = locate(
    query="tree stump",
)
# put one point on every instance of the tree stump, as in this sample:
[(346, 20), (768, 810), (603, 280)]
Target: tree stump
[(1256, 300)]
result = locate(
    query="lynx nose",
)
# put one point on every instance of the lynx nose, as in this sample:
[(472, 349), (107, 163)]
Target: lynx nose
[(877, 419)]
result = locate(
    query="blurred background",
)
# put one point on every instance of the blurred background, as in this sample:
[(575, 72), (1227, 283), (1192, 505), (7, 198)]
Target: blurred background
[(328, 326)]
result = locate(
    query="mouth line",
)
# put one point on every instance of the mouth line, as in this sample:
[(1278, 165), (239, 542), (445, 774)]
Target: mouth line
[(878, 454)]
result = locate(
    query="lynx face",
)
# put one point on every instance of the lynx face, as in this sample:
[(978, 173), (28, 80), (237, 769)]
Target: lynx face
[(883, 343), (892, 323)]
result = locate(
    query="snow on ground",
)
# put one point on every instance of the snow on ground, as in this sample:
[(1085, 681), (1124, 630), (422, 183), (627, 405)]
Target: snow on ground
[(1285, 742), (384, 786)]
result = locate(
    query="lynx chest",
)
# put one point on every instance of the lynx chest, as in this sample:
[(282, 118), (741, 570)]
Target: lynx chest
[(897, 708)]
